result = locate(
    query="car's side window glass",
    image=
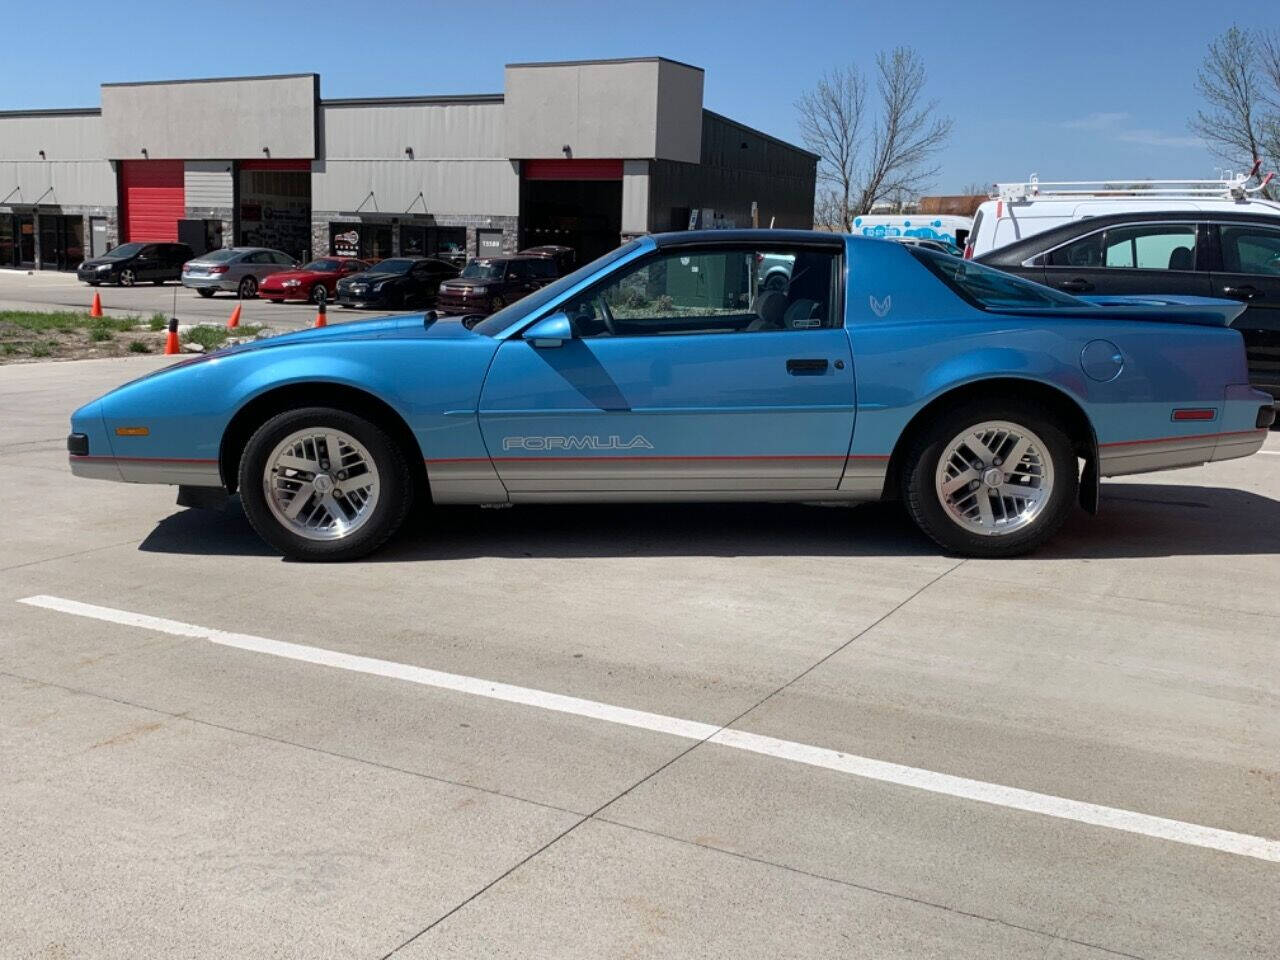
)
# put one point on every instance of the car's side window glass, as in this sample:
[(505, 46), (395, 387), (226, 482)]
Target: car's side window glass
[(149, 251), (716, 291), (1166, 246), (1251, 249)]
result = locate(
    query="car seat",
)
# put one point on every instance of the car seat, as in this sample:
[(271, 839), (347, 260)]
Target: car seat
[(1182, 259), (770, 307)]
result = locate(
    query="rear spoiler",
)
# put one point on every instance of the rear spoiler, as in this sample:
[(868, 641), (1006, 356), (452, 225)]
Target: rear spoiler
[(1200, 311), (1203, 311)]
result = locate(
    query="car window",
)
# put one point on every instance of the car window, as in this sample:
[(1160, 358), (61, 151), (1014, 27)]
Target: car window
[(710, 291), (150, 250), (991, 289), (282, 259), (542, 269), (1251, 249), (1162, 246), (519, 270)]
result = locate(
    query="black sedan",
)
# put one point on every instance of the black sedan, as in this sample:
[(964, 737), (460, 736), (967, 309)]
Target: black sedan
[(395, 283), (132, 263), (1182, 252)]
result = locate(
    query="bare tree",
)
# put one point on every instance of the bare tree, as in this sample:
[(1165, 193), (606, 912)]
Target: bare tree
[(894, 158), (975, 190), (1231, 87)]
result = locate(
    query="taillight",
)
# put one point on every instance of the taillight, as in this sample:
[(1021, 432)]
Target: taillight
[(968, 251), (221, 269)]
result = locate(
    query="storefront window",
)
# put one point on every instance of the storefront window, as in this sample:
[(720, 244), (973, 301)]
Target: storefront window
[(8, 246), (413, 240)]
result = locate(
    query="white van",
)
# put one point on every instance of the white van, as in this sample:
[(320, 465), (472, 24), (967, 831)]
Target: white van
[(949, 229), (1020, 210)]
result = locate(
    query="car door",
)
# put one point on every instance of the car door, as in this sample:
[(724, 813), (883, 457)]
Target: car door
[(1247, 268), (147, 265), (683, 375), (1131, 258)]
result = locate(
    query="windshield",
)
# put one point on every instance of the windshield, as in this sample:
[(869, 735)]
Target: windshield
[(324, 266), (495, 324), (990, 289), (483, 270), (393, 266), (122, 251)]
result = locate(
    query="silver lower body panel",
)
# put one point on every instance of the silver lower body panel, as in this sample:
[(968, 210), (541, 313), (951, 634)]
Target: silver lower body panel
[(1145, 456), (190, 473)]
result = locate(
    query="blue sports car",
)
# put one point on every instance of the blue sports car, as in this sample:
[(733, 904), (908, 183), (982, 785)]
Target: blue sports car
[(674, 369)]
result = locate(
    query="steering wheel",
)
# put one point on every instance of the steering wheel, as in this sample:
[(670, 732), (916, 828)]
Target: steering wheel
[(607, 316)]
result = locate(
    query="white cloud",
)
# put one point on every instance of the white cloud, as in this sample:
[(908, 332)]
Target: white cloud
[(1155, 138), (1096, 121)]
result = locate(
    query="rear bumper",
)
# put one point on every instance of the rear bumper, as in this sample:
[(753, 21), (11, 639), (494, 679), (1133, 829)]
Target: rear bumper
[(208, 283)]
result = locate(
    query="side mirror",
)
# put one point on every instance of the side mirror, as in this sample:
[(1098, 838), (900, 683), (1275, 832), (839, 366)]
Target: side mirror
[(550, 331)]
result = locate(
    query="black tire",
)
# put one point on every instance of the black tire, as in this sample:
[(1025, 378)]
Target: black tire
[(319, 294), (395, 494), (204, 293), (923, 502), (248, 288), (127, 278)]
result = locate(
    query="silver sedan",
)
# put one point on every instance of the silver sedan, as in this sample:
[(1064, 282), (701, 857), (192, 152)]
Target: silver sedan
[(237, 270)]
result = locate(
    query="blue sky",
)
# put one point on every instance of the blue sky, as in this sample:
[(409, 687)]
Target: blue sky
[(1075, 91)]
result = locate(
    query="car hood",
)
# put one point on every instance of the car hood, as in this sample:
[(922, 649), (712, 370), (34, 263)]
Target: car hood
[(458, 283), (301, 275), (372, 276), (99, 262)]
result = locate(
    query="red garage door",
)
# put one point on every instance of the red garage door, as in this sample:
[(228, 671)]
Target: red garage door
[(152, 199)]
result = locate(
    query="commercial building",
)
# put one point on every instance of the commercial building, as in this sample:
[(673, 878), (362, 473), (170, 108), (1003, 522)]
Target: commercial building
[(583, 154)]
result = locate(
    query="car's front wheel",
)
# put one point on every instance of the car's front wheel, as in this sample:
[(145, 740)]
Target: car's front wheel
[(323, 484), (991, 479), (319, 294), (127, 278)]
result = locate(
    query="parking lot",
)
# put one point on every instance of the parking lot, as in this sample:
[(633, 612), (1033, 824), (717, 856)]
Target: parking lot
[(23, 290), (642, 731)]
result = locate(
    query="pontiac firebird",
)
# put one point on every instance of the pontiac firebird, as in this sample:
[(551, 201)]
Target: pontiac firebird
[(670, 370)]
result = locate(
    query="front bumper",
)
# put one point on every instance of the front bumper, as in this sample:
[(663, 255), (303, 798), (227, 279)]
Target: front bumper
[(449, 302), (95, 276), (346, 298)]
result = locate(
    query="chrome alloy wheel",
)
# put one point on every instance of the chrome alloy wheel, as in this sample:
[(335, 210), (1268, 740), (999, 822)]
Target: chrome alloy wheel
[(994, 478), (321, 484)]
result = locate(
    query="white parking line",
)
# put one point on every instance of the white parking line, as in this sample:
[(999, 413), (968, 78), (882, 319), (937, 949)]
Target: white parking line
[(1014, 798)]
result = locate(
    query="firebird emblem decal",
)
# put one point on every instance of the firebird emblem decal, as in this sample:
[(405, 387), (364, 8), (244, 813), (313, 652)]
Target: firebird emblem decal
[(613, 442), (880, 307)]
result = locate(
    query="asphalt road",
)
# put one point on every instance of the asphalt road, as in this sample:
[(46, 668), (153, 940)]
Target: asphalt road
[(711, 731), (47, 290)]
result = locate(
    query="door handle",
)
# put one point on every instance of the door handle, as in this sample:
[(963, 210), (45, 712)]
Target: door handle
[(1244, 293), (801, 367), (1075, 285)]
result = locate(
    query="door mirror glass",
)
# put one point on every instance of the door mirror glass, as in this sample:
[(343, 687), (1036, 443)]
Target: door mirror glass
[(550, 331)]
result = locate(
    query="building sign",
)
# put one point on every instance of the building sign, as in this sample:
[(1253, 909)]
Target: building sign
[(347, 244), (488, 243)]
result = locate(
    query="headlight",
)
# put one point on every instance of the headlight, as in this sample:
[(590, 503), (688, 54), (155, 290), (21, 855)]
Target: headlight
[(103, 267), (291, 283)]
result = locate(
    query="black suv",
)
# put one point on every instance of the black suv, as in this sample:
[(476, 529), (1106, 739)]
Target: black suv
[(1187, 253), (132, 263)]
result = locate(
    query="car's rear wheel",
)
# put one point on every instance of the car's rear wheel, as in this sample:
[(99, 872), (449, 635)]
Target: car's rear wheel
[(324, 484), (248, 288), (204, 292), (127, 278), (991, 479), (319, 294)]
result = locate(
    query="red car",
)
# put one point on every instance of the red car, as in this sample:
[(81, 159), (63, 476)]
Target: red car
[(316, 281)]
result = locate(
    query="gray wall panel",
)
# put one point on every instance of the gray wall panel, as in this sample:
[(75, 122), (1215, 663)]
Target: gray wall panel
[(486, 187), (88, 183), (209, 183), (236, 117), (68, 137), (434, 131)]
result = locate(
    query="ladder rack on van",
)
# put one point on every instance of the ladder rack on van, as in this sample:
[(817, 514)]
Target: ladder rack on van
[(1230, 188)]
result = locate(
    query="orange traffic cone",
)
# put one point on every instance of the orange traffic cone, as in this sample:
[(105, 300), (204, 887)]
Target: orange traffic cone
[(235, 318), (171, 341), (320, 320), (96, 309)]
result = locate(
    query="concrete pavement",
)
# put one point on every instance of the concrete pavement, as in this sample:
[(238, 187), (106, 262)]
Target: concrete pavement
[(172, 796)]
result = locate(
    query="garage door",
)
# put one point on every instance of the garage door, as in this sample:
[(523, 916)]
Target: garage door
[(152, 199)]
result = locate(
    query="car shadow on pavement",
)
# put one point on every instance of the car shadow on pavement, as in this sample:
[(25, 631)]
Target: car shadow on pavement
[(1136, 520)]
